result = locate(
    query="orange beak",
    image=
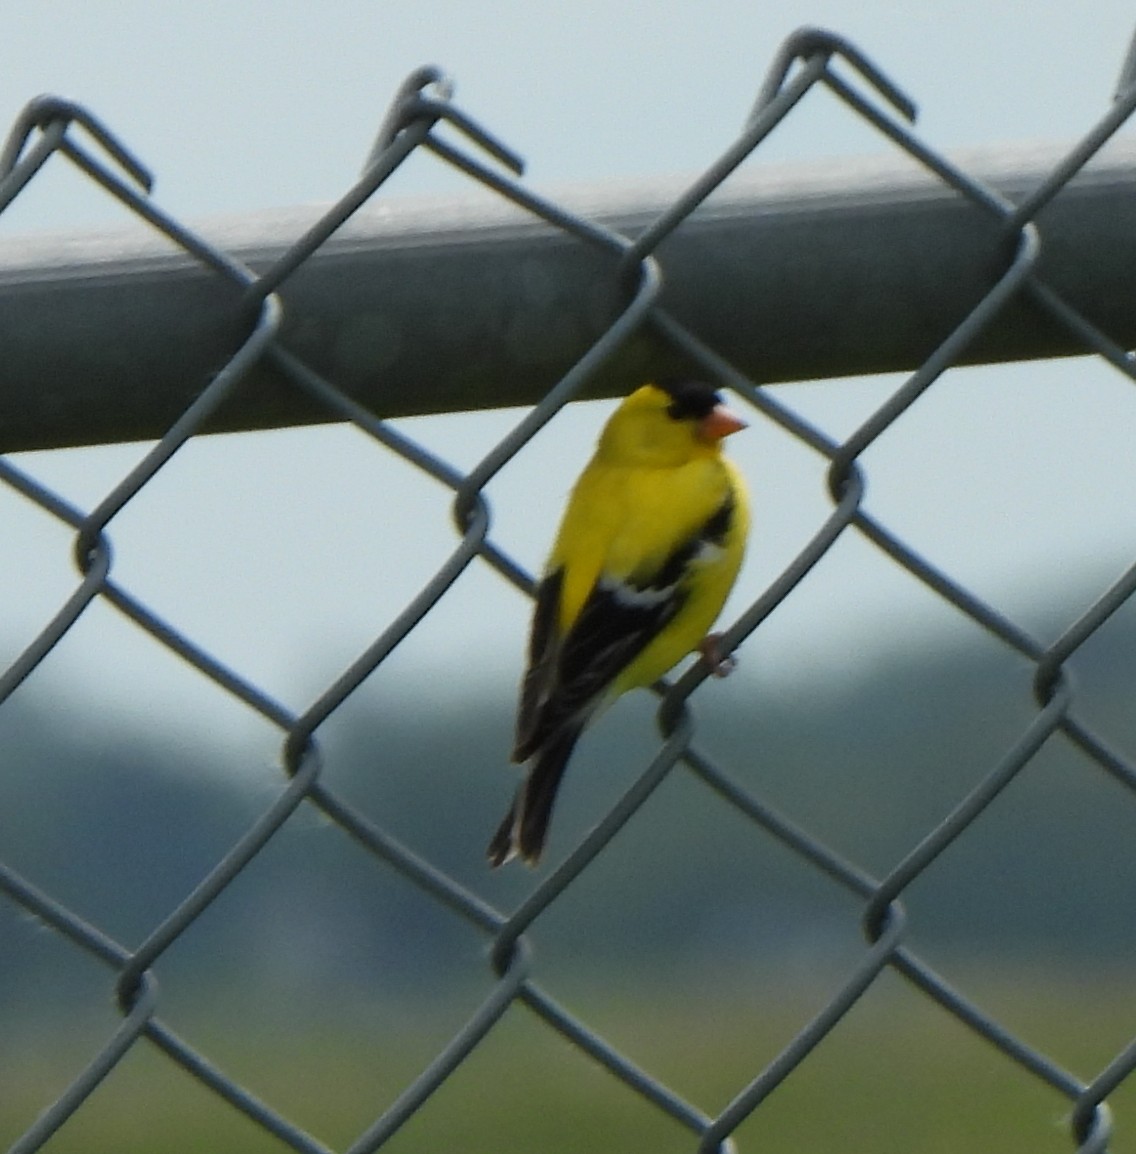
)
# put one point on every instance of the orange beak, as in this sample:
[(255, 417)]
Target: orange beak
[(719, 423)]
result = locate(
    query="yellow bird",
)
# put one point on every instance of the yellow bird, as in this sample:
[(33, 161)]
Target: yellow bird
[(647, 552)]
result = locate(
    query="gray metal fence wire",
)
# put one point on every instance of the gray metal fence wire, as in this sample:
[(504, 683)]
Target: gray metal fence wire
[(809, 58)]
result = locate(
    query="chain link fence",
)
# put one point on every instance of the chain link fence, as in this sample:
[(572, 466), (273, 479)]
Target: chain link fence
[(808, 59)]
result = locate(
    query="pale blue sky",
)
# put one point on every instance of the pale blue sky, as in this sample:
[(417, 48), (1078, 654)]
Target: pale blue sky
[(246, 106)]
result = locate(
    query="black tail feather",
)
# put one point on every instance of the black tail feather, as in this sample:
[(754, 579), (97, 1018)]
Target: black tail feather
[(525, 827), (501, 848)]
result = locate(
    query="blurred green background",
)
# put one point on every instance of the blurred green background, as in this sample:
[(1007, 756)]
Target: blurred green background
[(696, 944)]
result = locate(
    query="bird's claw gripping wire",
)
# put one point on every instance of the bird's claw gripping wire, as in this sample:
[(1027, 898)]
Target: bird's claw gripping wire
[(806, 43), (718, 662), (411, 103), (43, 111)]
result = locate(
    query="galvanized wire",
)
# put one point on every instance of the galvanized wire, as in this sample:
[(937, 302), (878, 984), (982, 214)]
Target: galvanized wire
[(49, 126)]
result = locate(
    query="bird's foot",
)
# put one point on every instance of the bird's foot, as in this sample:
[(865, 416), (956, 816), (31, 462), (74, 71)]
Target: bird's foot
[(720, 664)]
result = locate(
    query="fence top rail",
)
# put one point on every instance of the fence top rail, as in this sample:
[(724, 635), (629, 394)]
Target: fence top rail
[(751, 272)]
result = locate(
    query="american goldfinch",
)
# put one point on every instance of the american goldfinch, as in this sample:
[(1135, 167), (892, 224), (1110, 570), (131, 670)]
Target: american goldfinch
[(647, 552)]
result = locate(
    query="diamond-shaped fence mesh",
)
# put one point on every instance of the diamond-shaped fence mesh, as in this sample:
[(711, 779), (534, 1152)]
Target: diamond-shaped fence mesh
[(632, 276)]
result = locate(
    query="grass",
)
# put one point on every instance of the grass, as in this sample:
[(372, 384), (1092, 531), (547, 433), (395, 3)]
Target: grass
[(897, 1075)]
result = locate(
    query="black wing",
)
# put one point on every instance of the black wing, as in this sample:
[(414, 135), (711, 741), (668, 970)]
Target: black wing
[(567, 677), (540, 676)]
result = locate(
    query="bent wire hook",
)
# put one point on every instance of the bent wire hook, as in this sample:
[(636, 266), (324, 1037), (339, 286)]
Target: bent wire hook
[(807, 43), (44, 111), (410, 104)]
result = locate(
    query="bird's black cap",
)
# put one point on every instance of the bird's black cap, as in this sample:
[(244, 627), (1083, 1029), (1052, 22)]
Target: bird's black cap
[(690, 400)]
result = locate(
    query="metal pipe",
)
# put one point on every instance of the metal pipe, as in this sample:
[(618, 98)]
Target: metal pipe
[(790, 273)]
